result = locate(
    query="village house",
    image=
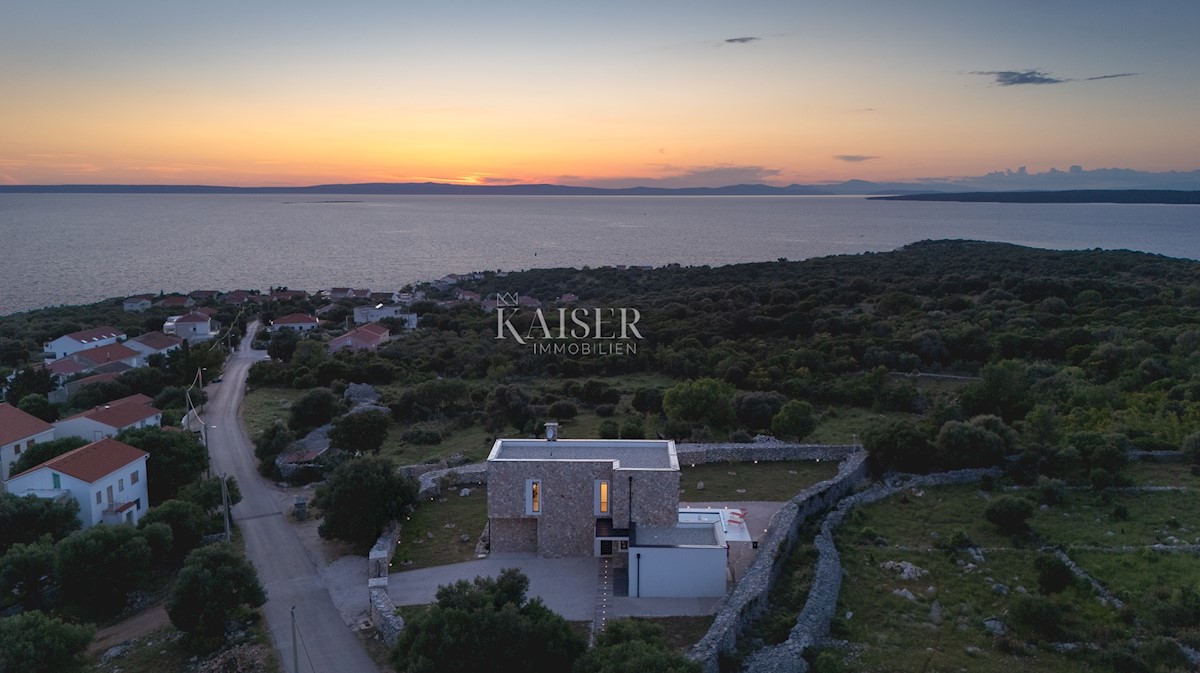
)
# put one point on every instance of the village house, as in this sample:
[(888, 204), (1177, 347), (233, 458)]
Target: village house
[(63, 393), (113, 358), (368, 337), (194, 326), (236, 297), (286, 295), (107, 478), (109, 419), (299, 322), (137, 303), (154, 343), (348, 293), (203, 295), (604, 498), (77, 341), (366, 314), (175, 301), (19, 431)]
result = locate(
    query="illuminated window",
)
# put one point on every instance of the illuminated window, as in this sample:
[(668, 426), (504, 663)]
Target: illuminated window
[(602, 497), (533, 496)]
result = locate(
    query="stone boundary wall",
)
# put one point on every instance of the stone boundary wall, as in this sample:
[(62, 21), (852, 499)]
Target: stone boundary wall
[(382, 611), (1156, 456), (689, 454), (750, 598), (812, 624)]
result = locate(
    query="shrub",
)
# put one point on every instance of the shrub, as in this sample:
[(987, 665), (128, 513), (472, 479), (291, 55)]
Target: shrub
[(563, 410), (609, 429), (632, 429), (1009, 513), (1053, 491), (1035, 617), (605, 410), (1053, 574)]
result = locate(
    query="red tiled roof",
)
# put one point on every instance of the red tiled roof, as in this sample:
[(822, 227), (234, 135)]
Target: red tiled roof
[(157, 340), (203, 294), (294, 319), (16, 424), (122, 412), (192, 317), (109, 353), (175, 300), (373, 329), (140, 297), (65, 367), (93, 461), (96, 378), (96, 334), (207, 310)]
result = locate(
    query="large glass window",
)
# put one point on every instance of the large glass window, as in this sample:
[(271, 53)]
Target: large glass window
[(602, 497), (533, 496)]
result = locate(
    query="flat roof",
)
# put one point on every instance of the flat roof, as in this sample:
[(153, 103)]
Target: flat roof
[(680, 535), (635, 454)]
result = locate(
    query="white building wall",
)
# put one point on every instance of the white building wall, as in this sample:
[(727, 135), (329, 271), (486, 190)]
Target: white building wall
[(91, 513), (92, 430), (64, 346), (8, 452), (677, 572)]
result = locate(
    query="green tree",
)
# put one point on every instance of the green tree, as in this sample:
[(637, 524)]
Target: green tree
[(609, 429), (43, 451), (309, 353), (360, 497), (633, 646), (29, 382), (96, 394), (961, 445), (35, 643), (27, 519), (13, 352), (363, 431), (206, 493), (97, 567), (316, 408), (273, 441), (632, 428), (484, 626), (508, 405), (647, 400), (214, 584), (23, 567), (700, 401), (37, 405), (176, 459), (187, 521), (898, 445), (1010, 513), (795, 419), (755, 410), (283, 345), (1053, 574)]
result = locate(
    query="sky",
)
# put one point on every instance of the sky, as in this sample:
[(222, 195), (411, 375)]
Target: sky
[(649, 92)]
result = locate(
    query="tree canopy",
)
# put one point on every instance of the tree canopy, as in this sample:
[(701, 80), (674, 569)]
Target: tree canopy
[(214, 584), (27, 519), (487, 625), (176, 459), (360, 497), (43, 451), (36, 643), (362, 431)]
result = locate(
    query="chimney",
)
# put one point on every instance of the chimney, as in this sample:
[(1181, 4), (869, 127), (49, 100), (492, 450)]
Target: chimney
[(552, 432)]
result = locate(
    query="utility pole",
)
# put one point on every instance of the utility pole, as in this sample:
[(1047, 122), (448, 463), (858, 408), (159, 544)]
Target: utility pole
[(295, 644), (225, 501)]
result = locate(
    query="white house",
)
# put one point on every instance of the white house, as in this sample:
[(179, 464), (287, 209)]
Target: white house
[(137, 303), (77, 341), (19, 431), (366, 314), (107, 478), (194, 326), (368, 337), (151, 343), (109, 419), (299, 322)]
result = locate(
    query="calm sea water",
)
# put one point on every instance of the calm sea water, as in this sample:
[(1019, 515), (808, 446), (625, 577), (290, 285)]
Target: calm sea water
[(77, 248)]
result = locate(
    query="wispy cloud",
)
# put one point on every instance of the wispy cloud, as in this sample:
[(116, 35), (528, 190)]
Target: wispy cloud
[(668, 175), (742, 40), (854, 158), (1038, 76)]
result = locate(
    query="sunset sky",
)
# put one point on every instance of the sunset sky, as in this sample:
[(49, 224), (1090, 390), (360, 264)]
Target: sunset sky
[(616, 93)]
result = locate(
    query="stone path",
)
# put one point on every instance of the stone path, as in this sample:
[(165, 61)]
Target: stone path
[(604, 596)]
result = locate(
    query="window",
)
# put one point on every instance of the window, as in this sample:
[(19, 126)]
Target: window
[(120, 485), (533, 496), (97, 497), (601, 490), (133, 477), (57, 479), (17, 448)]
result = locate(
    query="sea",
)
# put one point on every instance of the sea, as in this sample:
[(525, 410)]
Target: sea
[(80, 248)]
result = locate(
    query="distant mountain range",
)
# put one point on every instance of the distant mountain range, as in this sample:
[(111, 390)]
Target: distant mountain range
[(1001, 181)]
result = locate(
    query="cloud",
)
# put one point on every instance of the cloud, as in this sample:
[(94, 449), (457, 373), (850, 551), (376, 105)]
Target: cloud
[(1120, 74), (854, 158), (1039, 76), (742, 40), (1019, 77)]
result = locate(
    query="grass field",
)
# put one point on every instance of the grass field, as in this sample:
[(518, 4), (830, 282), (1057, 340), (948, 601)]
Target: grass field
[(843, 425), (766, 481), (446, 521), (264, 406)]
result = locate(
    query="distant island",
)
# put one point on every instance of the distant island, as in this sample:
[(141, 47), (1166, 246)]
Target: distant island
[(1158, 196)]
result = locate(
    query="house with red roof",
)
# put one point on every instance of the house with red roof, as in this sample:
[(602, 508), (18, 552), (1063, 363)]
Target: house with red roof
[(176, 301), (236, 297), (107, 478), (78, 341), (19, 431), (300, 322), (137, 303), (109, 419), (203, 295), (368, 337), (194, 326), (151, 343)]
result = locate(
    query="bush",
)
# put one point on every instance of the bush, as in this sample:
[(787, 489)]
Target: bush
[(1035, 617), (1053, 491), (423, 437), (316, 408), (1053, 574), (1009, 513), (609, 429), (562, 410), (632, 429), (605, 410)]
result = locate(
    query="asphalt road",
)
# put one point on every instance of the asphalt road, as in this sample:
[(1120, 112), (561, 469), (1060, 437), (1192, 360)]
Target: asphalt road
[(285, 569)]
